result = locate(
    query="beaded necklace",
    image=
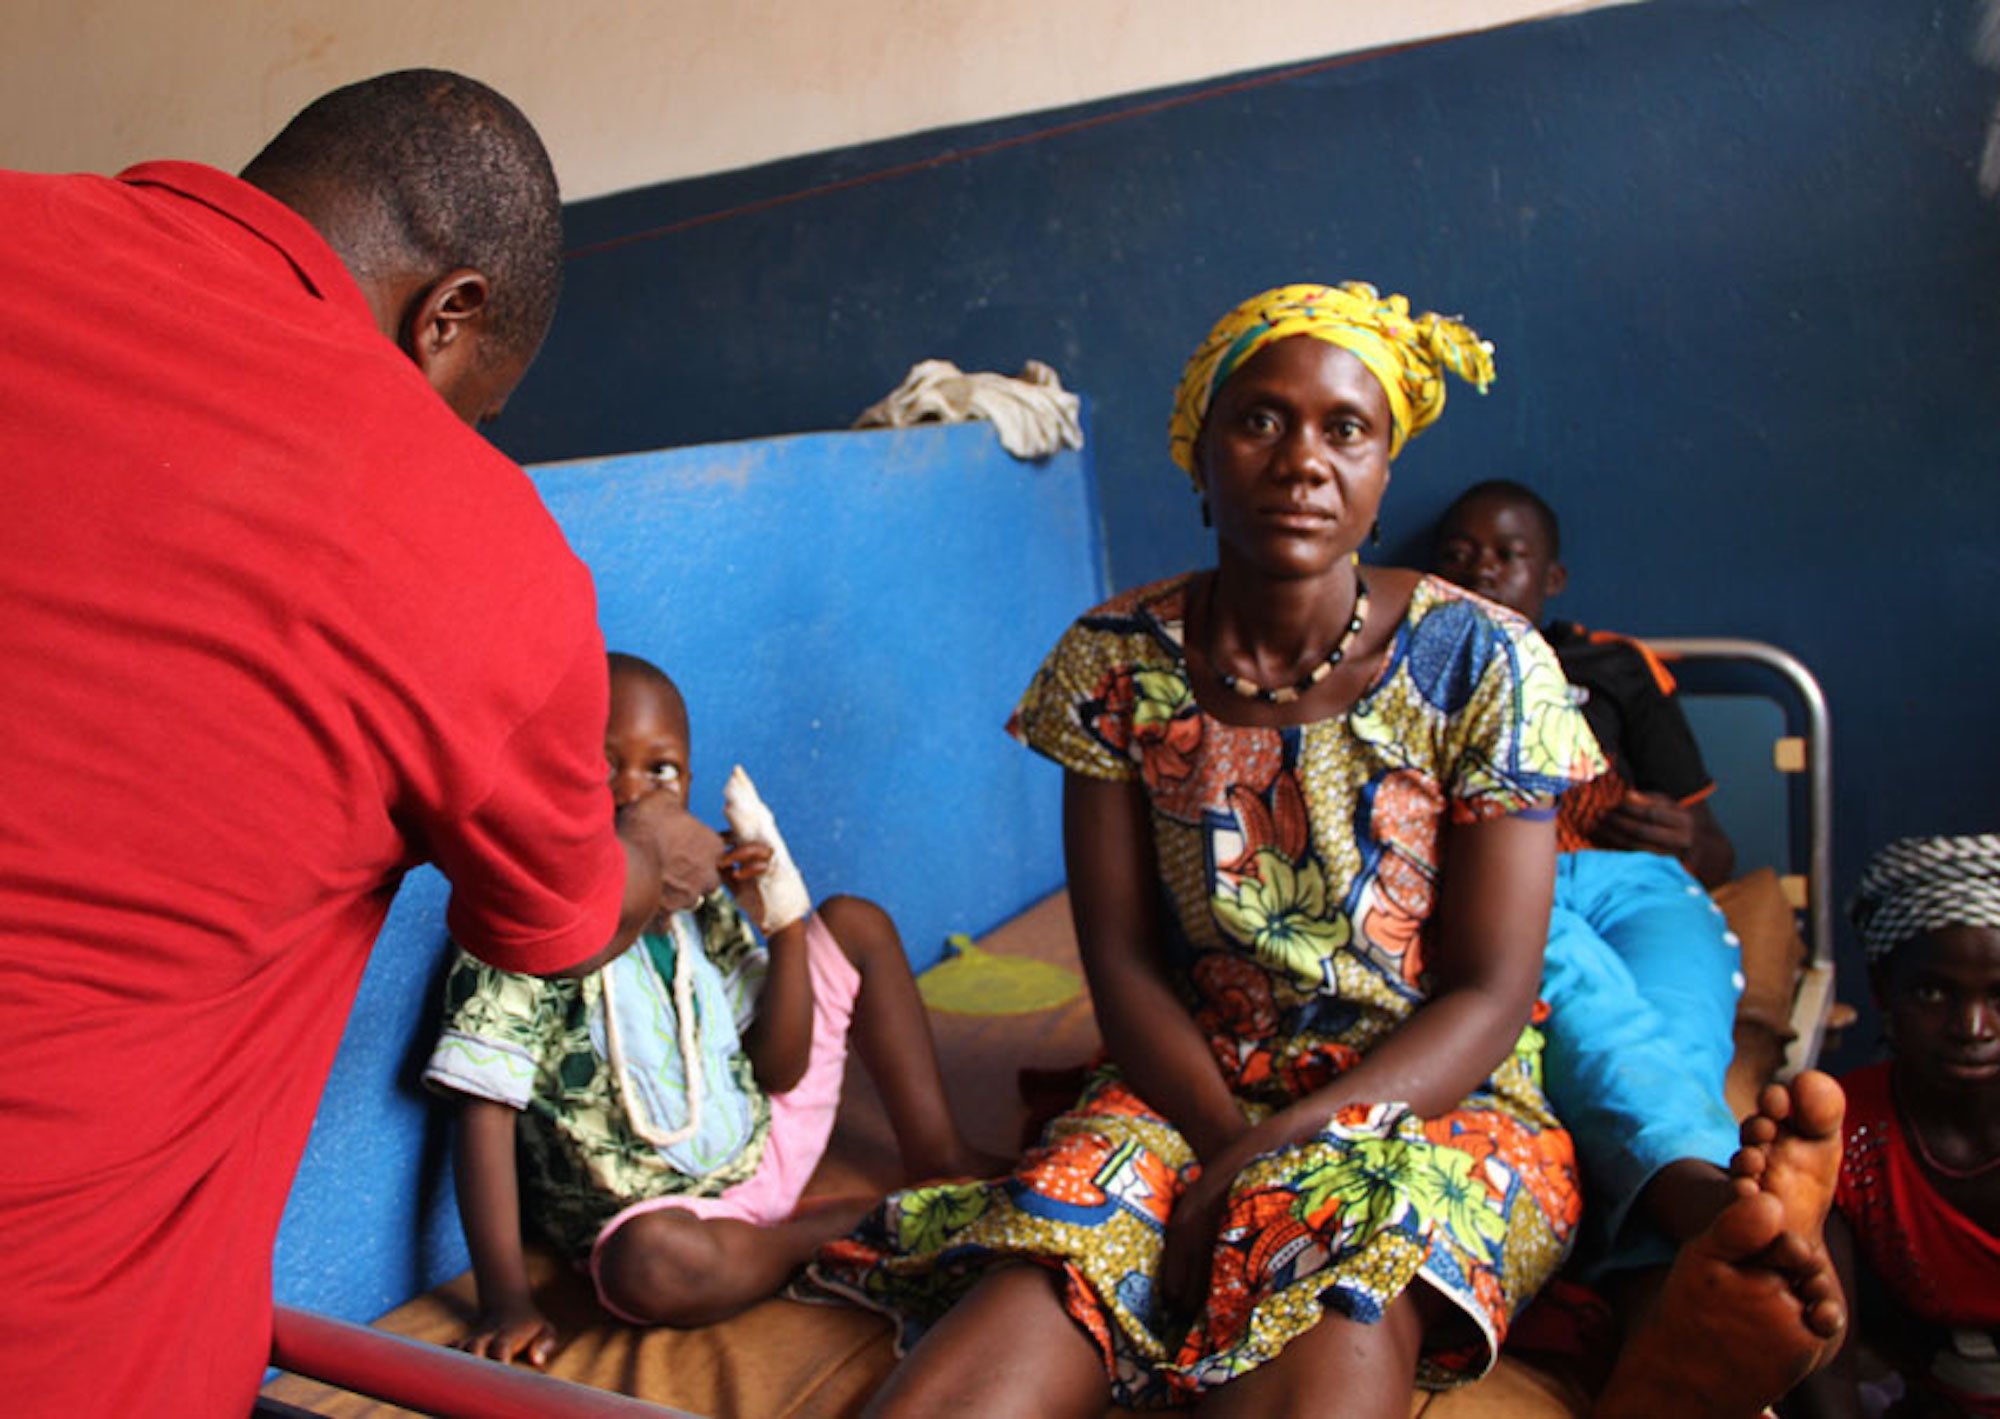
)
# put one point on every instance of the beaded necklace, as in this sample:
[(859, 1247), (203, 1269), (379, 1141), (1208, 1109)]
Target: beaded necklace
[(1943, 1170), (1286, 694)]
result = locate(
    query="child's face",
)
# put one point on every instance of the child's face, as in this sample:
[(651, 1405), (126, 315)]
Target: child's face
[(646, 740), (1942, 995), (1498, 547)]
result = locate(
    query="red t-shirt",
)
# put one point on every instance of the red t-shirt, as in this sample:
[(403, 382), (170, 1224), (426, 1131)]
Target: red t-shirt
[(275, 626)]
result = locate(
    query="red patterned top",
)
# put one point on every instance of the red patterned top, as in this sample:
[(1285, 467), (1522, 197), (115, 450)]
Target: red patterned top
[(1937, 1263)]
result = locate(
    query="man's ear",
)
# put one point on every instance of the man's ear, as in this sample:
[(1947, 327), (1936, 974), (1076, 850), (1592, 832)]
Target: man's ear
[(1555, 581), (445, 323)]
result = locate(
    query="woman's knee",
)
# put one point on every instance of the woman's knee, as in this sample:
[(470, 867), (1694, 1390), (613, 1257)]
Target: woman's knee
[(1372, 1366), (1044, 1362)]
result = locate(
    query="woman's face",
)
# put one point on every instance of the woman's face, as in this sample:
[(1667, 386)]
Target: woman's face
[(1294, 457), (1942, 995)]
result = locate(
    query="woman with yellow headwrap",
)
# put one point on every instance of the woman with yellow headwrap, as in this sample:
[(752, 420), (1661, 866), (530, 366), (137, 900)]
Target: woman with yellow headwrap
[(1307, 821)]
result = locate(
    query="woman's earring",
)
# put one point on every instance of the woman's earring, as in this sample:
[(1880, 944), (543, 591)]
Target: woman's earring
[(1375, 534), (1206, 520)]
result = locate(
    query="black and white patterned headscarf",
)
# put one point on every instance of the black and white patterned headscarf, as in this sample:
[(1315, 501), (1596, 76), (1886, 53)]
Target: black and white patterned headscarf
[(1915, 885)]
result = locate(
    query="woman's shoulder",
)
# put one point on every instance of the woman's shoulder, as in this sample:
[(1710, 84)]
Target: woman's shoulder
[(1448, 640), (1157, 603), (1493, 696), (1080, 706), (1139, 628), (1433, 596)]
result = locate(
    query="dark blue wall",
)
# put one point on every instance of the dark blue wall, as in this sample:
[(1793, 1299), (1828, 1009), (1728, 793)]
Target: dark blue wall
[(1745, 294)]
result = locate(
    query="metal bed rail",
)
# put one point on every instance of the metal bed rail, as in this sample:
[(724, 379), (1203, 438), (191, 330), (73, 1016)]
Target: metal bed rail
[(433, 1380), (1815, 1000)]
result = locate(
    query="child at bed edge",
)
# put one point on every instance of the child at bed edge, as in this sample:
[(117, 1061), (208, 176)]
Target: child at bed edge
[(669, 1108)]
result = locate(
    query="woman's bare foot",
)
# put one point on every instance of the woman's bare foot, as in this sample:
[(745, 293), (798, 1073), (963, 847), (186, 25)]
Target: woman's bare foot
[(1730, 1332), (1791, 1149)]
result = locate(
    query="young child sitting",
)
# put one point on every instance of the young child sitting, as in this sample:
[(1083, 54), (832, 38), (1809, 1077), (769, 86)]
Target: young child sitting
[(1641, 973), (1918, 1226), (671, 1106)]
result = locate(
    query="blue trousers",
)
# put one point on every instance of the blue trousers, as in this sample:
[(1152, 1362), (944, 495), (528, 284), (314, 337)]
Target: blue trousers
[(1641, 977)]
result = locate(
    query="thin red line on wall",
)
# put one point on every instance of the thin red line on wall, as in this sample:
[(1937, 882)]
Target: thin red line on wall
[(960, 155)]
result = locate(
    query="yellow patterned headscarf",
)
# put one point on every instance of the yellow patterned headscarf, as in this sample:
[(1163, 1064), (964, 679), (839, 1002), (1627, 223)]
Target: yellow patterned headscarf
[(1408, 355)]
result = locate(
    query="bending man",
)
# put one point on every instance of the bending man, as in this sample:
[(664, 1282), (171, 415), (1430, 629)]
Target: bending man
[(278, 626)]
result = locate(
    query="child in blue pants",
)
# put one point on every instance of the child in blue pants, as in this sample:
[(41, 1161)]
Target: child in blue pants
[(1642, 973)]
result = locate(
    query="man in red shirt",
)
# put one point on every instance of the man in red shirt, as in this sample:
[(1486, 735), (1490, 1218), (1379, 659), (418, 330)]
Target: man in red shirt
[(277, 625)]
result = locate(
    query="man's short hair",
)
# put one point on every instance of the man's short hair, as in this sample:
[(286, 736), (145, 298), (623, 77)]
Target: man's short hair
[(435, 171), (1508, 490)]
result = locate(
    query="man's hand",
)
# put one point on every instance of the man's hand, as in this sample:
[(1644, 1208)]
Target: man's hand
[(1651, 822), (512, 1331), (1648, 822), (670, 864), (684, 851)]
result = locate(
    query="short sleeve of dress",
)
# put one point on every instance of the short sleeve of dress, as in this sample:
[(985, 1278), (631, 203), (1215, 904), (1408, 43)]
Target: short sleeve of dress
[(1079, 709), (498, 1027), (1519, 742)]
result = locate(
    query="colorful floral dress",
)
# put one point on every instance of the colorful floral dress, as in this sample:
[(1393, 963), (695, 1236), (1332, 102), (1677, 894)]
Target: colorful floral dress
[(1299, 867)]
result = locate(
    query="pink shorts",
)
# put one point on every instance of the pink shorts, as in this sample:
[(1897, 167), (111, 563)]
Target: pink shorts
[(801, 1118)]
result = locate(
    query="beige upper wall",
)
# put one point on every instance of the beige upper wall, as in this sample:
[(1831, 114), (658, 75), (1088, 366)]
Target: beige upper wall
[(636, 93)]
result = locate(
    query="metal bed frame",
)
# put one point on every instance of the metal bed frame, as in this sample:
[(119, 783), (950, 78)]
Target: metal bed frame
[(433, 1380), (1807, 753)]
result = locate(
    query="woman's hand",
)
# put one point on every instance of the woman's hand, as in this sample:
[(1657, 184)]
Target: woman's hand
[(1492, 920), (1190, 1239), (512, 1330), (1114, 901), (1198, 1215)]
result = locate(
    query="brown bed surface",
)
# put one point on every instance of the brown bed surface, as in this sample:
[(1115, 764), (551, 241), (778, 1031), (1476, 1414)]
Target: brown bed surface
[(788, 1360)]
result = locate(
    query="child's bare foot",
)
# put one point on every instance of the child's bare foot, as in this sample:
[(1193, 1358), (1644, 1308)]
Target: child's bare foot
[(1730, 1332)]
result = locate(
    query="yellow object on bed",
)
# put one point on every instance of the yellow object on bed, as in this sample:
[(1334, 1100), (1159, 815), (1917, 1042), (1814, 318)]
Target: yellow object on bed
[(975, 981)]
